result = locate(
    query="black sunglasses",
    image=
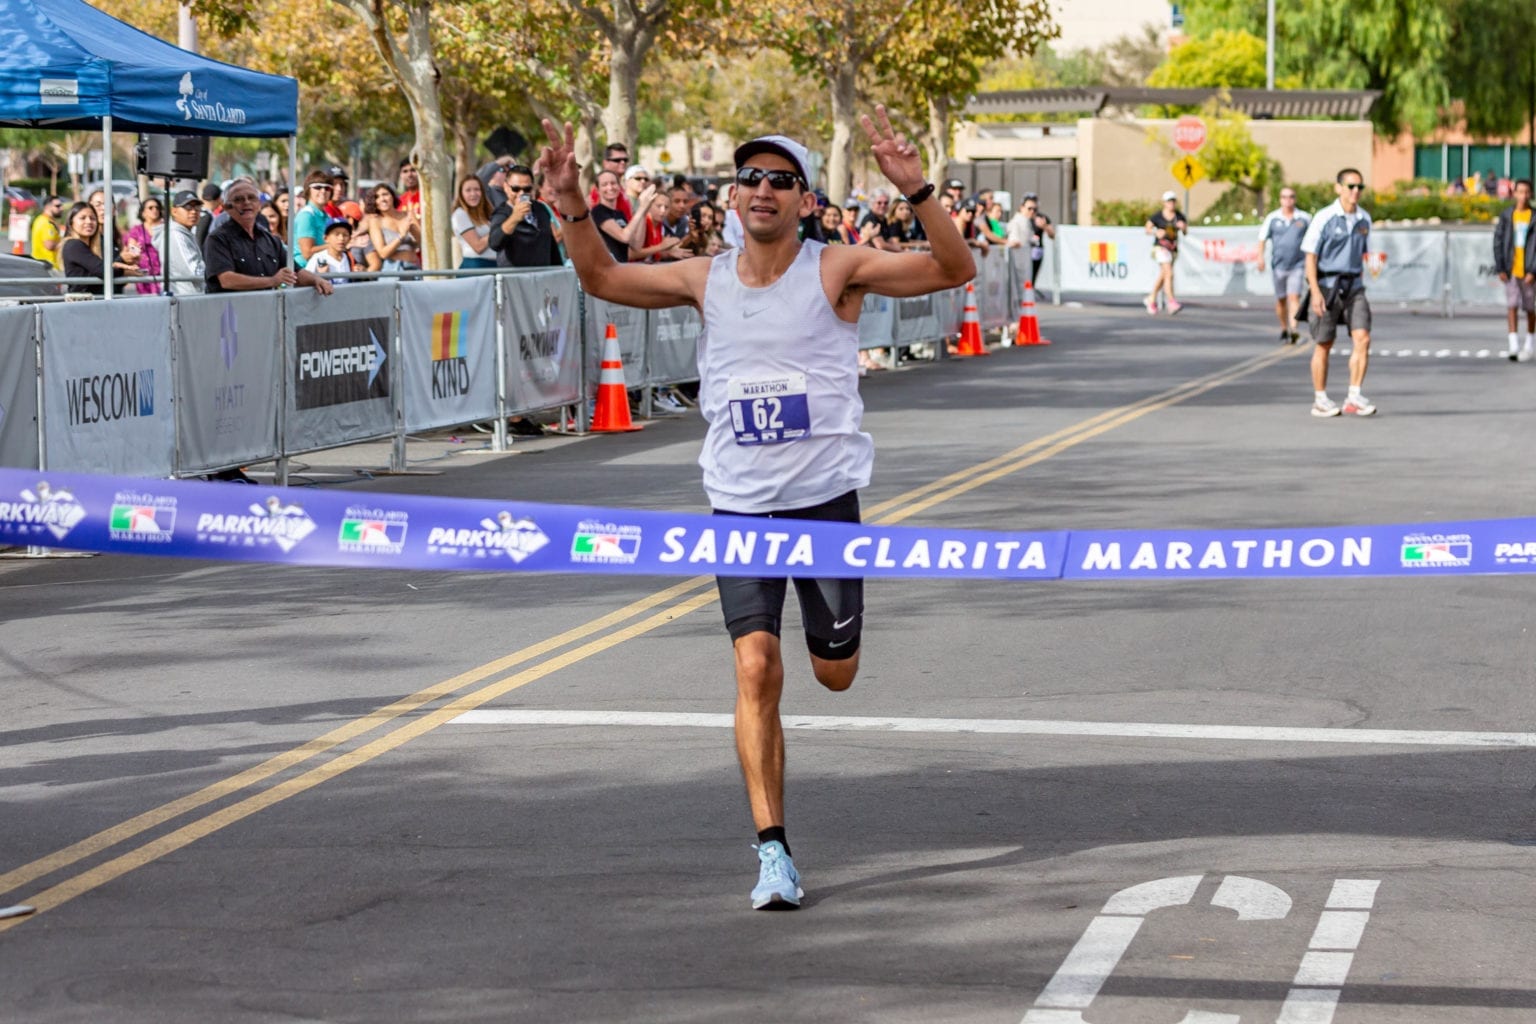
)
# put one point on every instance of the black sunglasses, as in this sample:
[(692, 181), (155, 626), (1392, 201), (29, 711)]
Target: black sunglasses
[(519, 188), (1356, 185), (779, 181)]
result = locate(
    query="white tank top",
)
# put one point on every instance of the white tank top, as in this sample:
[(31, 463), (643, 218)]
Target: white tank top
[(779, 388)]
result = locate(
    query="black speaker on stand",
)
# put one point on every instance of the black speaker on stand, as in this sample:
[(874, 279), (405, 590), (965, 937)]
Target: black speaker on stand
[(170, 157)]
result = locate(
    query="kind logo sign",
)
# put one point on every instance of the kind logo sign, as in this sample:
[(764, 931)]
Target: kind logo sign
[(1104, 261)]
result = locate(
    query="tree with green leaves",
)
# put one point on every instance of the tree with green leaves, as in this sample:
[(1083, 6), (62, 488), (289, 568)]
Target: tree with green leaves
[(1226, 58)]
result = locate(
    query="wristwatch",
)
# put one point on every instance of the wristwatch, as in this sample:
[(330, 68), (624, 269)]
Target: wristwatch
[(583, 215)]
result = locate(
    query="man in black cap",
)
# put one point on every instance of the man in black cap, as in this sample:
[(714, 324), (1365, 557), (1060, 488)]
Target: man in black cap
[(779, 388), (955, 189), (186, 256), (339, 183)]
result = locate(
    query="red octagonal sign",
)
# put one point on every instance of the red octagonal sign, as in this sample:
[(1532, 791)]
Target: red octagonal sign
[(1189, 133)]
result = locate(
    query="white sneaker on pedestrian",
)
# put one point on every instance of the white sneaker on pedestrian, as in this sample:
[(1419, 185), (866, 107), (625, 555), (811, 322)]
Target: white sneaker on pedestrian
[(1358, 405), (1525, 354), (1325, 406)]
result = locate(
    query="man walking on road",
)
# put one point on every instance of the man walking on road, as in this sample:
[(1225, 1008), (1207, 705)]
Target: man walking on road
[(813, 465), (1284, 229), (1514, 255), (1335, 245)]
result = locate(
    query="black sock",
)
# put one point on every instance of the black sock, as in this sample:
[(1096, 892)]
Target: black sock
[(771, 833)]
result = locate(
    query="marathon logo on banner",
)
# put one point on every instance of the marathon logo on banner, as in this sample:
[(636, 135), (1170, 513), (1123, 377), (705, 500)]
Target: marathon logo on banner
[(103, 398), (195, 519), (341, 362)]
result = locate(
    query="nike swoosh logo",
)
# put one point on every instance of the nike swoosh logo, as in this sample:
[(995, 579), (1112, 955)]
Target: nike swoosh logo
[(754, 312), (840, 643), (840, 625)]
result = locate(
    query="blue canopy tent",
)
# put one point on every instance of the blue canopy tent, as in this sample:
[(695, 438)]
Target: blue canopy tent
[(66, 65)]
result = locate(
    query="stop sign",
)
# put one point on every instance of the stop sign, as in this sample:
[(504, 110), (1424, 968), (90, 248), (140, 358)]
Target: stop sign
[(1189, 133)]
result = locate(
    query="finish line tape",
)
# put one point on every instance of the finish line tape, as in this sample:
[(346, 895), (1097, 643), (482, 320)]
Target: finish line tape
[(237, 522)]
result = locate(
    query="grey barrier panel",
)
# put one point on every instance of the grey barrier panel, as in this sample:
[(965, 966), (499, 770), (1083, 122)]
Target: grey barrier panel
[(1474, 282), (1406, 266), (18, 388), (916, 319), (992, 290), (1222, 262), (336, 366), (229, 351), (542, 326), (107, 390), (674, 354), (448, 352), (632, 326), (877, 321)]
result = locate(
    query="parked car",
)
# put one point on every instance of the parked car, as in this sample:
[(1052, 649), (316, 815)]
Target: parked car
[(23, 276), (19, 200)]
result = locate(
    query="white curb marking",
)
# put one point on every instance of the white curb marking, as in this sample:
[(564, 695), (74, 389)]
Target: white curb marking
[(1014, 727)]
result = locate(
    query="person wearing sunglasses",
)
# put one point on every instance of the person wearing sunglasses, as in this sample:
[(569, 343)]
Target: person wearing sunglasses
[(309, 223), (521, 230), (1284, 229), (1335, 245), (779, 390)]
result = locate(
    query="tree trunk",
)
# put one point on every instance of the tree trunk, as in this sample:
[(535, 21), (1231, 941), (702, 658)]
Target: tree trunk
[(463, 148), (938, 137), (630, 38), (845, 95)]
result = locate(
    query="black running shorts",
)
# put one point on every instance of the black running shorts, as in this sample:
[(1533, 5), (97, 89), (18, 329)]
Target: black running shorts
[(1348, 308), (831, 609)]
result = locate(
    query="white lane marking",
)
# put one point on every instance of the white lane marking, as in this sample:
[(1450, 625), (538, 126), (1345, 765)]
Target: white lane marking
[(1253, 899), (1353, 894), (1140, 900), (1339, 929), (1309, 1006), (1314, 994), (1323, 970), (1013, 727), (1091, 962)]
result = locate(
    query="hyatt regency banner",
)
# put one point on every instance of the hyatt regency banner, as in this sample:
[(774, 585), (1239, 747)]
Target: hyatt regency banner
[(228, 379)]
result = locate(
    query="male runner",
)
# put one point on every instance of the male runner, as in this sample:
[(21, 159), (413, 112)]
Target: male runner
[(1335, 249), (786, 311), (1514, 256), (1284, 229)]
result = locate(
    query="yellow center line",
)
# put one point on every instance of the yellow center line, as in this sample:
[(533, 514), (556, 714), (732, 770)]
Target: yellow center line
[(932, 494)]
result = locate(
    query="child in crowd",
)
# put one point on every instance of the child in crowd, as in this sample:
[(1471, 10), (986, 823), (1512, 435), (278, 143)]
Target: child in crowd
[(334, 258)]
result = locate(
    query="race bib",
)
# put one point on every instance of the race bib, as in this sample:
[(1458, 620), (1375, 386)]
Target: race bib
[(770, 411)]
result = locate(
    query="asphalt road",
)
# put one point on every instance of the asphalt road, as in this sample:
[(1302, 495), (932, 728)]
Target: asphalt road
[(251, 794)]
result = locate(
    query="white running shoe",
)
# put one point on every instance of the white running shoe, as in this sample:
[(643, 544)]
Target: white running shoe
[(1525, 354), (1358, 405), (1325, 406)]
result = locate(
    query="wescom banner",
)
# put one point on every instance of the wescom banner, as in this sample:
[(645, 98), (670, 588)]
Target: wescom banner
[(107, 387), (236, 522)]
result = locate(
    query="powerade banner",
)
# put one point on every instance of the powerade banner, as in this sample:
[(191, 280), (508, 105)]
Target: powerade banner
[(448, 352), (541, 321), (18, 388), (339, 365), (236, 522), (228, 379), (107, 390)]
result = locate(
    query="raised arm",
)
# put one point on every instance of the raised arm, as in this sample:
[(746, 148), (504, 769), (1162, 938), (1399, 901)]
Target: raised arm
[(948, 261), (641, 285)]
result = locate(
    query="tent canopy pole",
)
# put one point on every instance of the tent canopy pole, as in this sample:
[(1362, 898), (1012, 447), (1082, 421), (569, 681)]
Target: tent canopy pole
[(110, 219)]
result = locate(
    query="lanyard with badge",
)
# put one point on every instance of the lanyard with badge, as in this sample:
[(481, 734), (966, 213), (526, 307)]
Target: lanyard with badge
[(771, 410)]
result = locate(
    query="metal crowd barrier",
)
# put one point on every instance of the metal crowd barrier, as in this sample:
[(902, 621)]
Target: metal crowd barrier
[(160, 386)]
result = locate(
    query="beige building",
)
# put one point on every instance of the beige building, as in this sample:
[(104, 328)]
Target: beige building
[(1121, 159)]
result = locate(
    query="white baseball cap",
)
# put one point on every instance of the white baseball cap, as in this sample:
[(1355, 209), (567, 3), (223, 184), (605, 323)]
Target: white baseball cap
[(783, 146), (636, 171), (1170, 194)]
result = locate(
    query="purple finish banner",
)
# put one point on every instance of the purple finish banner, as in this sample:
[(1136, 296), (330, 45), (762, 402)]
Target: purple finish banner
[(237, 522)]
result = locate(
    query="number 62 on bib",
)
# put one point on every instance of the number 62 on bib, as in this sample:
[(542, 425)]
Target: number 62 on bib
[(769, 411)]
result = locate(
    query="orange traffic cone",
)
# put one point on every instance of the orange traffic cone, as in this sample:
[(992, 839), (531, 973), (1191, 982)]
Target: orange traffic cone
[(970, 326), (612, 413), (1029, 327), (18, 248)]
